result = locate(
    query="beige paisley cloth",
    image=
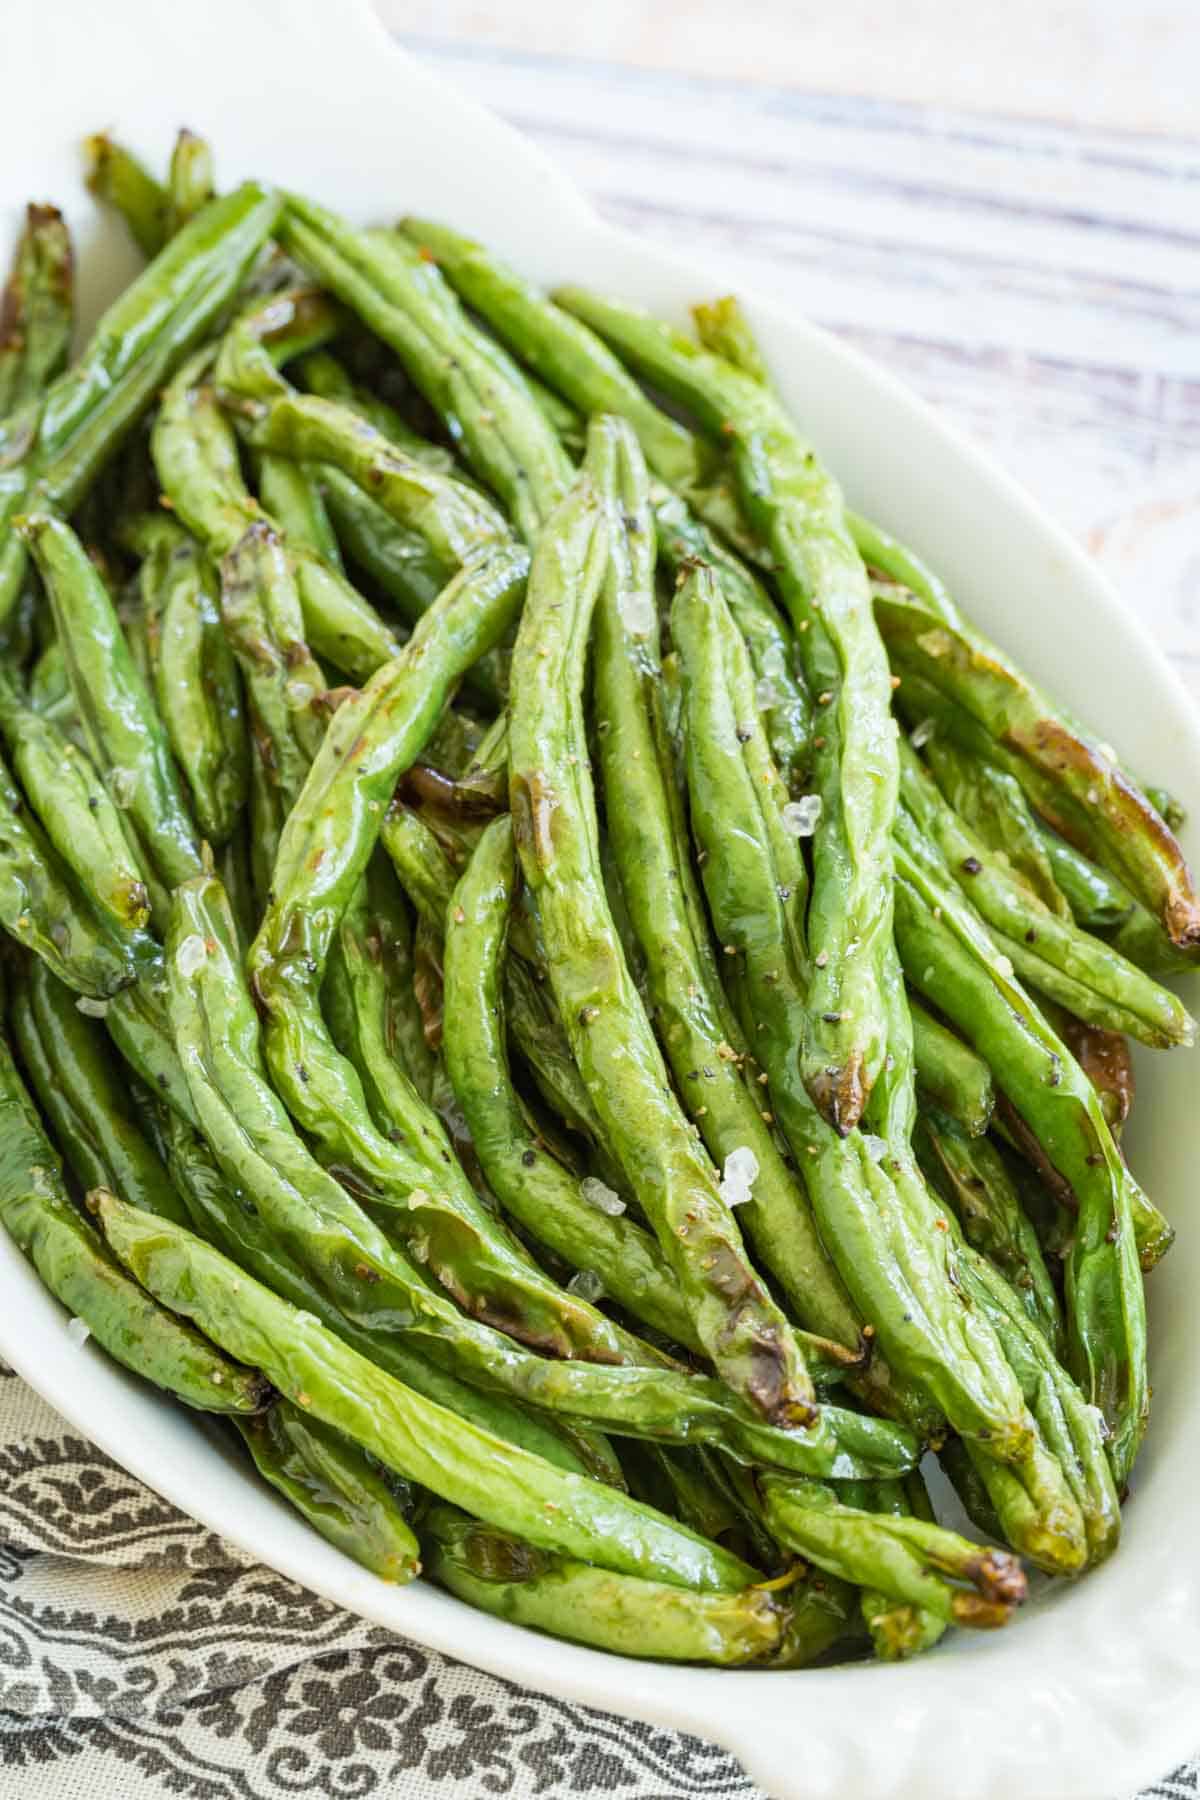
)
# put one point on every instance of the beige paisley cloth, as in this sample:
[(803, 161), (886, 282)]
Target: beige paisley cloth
[(140, 1655)]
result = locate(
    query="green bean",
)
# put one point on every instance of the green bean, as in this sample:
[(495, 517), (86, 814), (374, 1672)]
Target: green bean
[(908, 1559), (971, 1175), (195, 680), (426, 872), (79, 818), (723, 328), (126, 737), (35, 317), (80, 1271), (115, 176), (1049, 952), (647, 831), (261, 613), (138, 1025), (950, 958), (19, 631), (969, 1487), (950, 1074), (428, 876), (886, 554), (611, 1039), (463, 1246), (332, 831), (465, 377), (322, 374), (898, 1630), (35, 329), (1034, 1493), (235, 867), (228, 1218), (371, 1280), (189, 180), (576, 362), (1096, 899), (85, 1096), (879, 1222), (780, 693), (506, 1575), (568, 425), (689, 1485), (39, 909), (416, 1190), (144, 336), (397, 559), (333, 1485), (559, 348), (265, 813), (876, 1221), (417, 1439), (324, 1090), (195, 454), (49, 684), (453, 518), (371, 1008), (986, 704), (798, 508), (291, 495), (529, 1182), (1101, 905), (1071, 1428), (906, 569), (990, 803)]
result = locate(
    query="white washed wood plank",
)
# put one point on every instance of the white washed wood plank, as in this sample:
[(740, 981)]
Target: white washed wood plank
[(1144, 181), (842, 279), (1071, 355), (1096, 60), (1087, 246)]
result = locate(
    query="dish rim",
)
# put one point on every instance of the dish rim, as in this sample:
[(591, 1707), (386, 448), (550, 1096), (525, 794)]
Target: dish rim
[(1107, 1728)]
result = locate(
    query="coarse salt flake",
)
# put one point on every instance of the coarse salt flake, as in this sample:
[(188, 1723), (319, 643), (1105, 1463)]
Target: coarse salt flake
[(1004, 967), (921, 734), (597, 1193), (95, 1009), (764, 694), (637, 612), (587, 1284), (936, 643), (741, 1171), (800, 817), (191, 954), (78, 1333)]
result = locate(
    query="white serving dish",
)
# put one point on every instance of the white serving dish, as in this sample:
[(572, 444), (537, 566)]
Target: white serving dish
[(1093, 1692)]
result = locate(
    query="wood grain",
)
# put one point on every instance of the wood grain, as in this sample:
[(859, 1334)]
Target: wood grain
[(1038, 281), (1101, 61)]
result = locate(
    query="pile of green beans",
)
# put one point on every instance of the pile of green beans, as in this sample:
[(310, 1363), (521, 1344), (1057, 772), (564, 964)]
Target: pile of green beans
[(596, 1100)]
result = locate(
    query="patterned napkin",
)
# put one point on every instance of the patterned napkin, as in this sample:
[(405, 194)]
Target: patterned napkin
[(142, 1655)]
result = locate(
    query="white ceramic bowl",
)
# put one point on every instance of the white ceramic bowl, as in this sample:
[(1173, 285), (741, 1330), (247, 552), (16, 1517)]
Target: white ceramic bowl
[(1093, 1691)]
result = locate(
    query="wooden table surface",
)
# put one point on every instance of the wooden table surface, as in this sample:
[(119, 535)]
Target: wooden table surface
[(1039, 279)]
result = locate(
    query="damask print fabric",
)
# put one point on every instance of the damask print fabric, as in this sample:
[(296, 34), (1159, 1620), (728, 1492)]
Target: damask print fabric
[(141, 1655)]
